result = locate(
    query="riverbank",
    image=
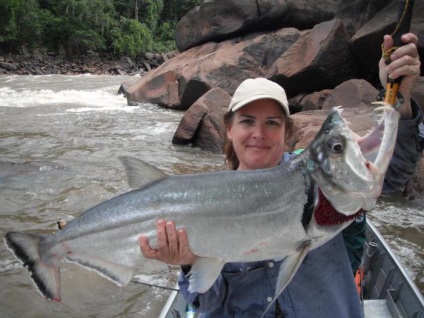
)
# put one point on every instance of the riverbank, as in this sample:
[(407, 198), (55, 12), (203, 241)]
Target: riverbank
[(43, 62)]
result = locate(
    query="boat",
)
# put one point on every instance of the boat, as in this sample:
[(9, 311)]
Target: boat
[(386, 289)]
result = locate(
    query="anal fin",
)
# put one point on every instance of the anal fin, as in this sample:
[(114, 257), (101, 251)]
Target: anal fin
[(119, 274)]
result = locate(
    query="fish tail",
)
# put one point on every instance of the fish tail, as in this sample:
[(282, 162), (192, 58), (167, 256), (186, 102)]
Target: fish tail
[(26, 248)]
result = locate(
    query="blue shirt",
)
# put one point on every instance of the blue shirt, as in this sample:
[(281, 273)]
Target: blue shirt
[(323, 287)]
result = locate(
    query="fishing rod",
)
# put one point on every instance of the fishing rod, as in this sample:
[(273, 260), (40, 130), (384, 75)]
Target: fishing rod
[(402, 26)]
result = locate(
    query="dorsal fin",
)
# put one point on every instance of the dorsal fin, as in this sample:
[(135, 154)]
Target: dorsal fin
[(140, 173)]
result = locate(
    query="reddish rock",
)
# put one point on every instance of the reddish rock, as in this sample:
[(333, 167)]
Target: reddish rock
[(299, 61), (222, 65), (312, 101), (308, 123), (319, 59), (202, 125), (161, 90), (216, 20), (351, 94)]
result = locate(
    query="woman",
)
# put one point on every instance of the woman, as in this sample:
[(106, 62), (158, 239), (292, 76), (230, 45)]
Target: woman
[(257, 122)]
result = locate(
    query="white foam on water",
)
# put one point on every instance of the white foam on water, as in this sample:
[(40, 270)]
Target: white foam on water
[(98, 99), (8, 265)]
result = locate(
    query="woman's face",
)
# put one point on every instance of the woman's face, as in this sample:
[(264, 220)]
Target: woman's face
[(257, 132)]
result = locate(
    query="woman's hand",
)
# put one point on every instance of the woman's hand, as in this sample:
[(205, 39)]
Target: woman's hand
[(405, 62), (173, 247)]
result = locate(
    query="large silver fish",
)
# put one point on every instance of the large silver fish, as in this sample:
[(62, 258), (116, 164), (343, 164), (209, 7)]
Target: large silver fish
[(232, 216)]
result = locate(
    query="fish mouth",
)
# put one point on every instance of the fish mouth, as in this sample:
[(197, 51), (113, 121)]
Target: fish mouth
[(351, 169), (326, 215)]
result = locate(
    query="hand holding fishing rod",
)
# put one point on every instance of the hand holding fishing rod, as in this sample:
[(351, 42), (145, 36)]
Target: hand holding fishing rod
[(400, 64)]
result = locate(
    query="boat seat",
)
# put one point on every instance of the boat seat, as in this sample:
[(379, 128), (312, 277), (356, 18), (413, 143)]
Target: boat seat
[(376, 308)]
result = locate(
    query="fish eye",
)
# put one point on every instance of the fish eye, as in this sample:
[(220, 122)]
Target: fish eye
[(336, 144)]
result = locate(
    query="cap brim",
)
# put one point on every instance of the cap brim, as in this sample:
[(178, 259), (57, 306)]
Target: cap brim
[(248, 100)]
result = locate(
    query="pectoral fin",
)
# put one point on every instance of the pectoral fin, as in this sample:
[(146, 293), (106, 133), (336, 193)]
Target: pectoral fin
[(288, 269), (204, 273)]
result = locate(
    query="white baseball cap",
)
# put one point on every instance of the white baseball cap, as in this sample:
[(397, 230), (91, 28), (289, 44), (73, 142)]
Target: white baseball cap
[(258, 88)]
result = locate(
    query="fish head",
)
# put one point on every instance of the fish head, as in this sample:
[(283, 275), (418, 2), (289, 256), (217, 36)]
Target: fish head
[(349, 170)]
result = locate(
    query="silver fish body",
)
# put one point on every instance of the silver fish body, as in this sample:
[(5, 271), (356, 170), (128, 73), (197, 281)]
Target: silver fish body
[(232, 216)]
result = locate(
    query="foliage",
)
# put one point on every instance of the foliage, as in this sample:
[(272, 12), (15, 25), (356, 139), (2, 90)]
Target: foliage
[(21, 23), (73, 27), (132, 38)]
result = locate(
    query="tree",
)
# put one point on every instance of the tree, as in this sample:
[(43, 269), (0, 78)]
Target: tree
[(72, 27), (131, 38), (175, 9), (80, 25), (21, 23)]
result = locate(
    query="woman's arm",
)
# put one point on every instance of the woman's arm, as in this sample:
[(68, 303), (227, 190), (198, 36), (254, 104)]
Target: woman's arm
[(405, 63)]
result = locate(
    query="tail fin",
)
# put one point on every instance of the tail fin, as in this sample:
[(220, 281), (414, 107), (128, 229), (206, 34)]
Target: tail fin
[(46, 277)]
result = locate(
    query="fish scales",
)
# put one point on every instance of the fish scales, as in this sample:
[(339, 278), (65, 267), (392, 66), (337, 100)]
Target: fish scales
[(137, 212)]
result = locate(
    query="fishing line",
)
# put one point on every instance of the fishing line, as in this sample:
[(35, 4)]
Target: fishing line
[(154, 285), (390, 93), (400, 22)]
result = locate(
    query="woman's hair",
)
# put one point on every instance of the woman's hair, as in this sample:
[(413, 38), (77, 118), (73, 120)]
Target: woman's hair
[(231, 158)]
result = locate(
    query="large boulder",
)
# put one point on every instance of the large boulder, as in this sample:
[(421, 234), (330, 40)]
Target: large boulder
[(355, 97), (180, 81), (202, 125), (319, 58), (217, 20)]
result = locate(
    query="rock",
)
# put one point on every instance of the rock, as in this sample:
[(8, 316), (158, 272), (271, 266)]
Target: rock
[(127, 64), (308, 123), (320, 58), (9, 66), (351, 94), (216, 20), (202, 124), (31, 62), (366, 43), (161, 90), (358, 12), (222, 65), (312, 101)]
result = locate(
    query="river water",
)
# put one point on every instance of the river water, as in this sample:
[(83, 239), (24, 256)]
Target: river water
[(60, 140)]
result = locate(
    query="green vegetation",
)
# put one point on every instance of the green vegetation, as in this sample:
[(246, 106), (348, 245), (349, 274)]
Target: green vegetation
[(72, 27)]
